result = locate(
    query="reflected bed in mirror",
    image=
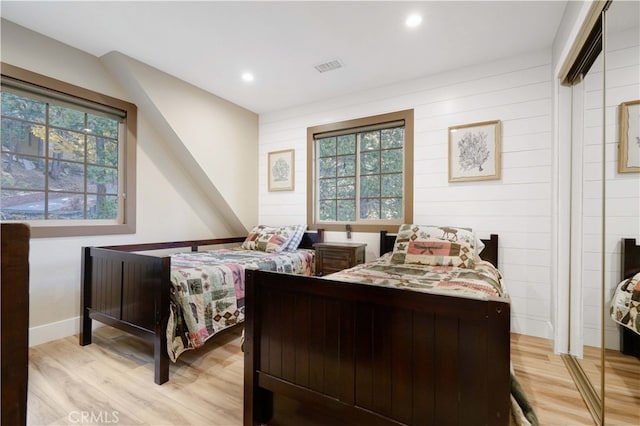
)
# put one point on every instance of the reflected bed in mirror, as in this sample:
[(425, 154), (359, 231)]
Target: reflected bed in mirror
[(624, 304)]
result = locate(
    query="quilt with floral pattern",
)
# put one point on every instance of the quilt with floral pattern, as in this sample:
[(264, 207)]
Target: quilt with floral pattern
[(626, 303), (483, 281), (208, 290)]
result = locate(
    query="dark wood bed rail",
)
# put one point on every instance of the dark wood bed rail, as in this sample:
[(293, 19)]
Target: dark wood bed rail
[(14, 347), (373, 355), (308, 240), (194, 244), (630, 258)]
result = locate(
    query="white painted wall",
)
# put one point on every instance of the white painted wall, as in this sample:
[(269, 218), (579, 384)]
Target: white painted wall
[(211, 137), (575, 13), (518, 91), (172, 204)]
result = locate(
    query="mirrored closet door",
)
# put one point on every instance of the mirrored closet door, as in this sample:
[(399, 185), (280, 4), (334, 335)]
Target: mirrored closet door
[(605, 209), (621, 49)]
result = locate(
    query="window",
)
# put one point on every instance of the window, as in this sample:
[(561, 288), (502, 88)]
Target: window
[(68, 157), (360, 173)]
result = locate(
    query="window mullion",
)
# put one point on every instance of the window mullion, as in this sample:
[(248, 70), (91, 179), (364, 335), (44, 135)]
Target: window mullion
[(316, 178), (47, 163), (358, 145), (85, 195), (122, 178), (380, 175)]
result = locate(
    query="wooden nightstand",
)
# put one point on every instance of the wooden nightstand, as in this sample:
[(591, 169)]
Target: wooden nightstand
[(334, 257)]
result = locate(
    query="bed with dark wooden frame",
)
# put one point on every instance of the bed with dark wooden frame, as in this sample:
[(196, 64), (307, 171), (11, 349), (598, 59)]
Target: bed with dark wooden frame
[(630, 341), (362, 354), (131, 291)]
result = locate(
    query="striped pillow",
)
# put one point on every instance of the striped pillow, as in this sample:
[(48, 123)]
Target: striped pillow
[(296, 238)]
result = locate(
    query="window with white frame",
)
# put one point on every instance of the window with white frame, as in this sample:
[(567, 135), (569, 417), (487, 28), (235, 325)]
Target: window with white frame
[(67, 161), (361, 173)]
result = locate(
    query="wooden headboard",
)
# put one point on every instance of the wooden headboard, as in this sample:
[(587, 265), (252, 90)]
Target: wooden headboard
[(490, 252), (630, 258), (307, 242), (311, 237)]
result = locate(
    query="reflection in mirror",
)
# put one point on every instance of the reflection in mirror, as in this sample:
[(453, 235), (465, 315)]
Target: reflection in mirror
[(605, 210), (622, 198)]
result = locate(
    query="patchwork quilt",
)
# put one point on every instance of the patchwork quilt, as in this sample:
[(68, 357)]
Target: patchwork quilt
[(626, 303), (483, 281), (208, 290)]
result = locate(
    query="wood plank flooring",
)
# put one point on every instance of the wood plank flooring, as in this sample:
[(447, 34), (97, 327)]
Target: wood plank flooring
[(622, 384), (113, 378), (111, 382)]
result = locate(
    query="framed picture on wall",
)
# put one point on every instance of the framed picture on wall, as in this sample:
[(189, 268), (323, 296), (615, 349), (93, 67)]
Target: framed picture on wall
[(280, 170), (474, 151), (629, 148)]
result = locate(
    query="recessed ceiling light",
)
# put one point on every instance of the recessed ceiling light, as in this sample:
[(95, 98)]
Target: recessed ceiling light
[(413, 20), (247, 76)]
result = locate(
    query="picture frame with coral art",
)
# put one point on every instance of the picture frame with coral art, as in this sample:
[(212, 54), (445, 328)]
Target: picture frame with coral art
[(281, 170), (474, 151), (629, 149)]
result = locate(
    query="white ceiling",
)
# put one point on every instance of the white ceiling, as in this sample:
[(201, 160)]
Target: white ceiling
[(210, 43)]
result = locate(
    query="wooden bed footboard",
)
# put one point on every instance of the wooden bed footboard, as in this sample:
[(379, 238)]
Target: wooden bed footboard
[(373, 355), (131, 291)]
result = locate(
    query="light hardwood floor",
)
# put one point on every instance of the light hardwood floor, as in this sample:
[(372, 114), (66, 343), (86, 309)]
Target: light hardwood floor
[(622, 384), (111, 382)]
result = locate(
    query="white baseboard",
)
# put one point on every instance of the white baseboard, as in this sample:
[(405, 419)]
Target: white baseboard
[(56, 330), (69, 327), (532, 327)]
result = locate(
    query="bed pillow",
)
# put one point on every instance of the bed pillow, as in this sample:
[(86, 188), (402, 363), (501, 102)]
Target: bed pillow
[(296, 238), (435, 245), (268, 239), (625, 305)]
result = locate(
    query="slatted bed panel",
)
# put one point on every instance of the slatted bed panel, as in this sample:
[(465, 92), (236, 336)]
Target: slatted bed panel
[(375, 355)]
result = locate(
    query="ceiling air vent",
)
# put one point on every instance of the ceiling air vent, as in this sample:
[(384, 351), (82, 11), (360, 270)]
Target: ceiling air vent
[(328, 66)]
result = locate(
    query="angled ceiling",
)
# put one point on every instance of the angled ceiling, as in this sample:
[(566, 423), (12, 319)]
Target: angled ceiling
[(210, 44)]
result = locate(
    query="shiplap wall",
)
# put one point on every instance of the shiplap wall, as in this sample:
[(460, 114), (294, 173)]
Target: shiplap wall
[(518, 92), (622, 189)]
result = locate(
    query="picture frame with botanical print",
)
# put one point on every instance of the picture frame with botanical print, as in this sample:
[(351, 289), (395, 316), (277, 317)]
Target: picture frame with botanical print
[(281, 170), (629, 148), (474, 151)]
